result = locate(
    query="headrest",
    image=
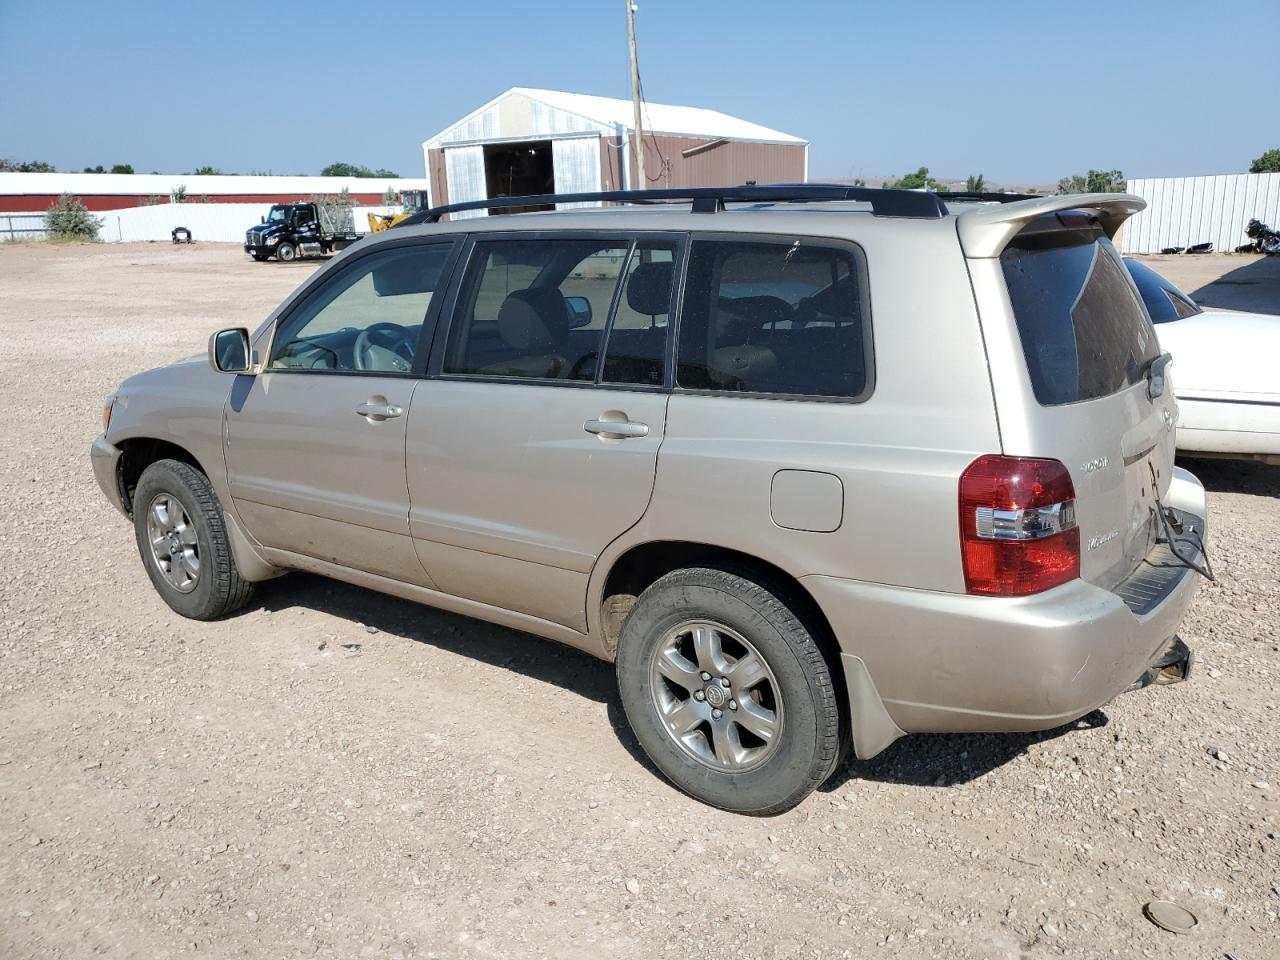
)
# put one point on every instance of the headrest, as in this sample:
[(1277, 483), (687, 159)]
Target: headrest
[(534, 320), (649, 288)]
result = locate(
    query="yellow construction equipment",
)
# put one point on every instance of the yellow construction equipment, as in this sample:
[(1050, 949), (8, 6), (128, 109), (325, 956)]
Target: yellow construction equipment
[(411, 200)]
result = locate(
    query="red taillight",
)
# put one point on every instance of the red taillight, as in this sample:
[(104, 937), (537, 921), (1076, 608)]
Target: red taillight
[(1018, 531)]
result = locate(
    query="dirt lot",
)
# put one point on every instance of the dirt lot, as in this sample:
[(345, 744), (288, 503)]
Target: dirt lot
[(429, 786)]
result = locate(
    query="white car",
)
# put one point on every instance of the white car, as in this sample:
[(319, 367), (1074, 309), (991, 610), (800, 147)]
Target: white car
[(1225, 372)]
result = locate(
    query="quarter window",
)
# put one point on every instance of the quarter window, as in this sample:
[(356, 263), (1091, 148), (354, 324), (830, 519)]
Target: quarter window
[(366, 318), (779, 317), (535, 309)]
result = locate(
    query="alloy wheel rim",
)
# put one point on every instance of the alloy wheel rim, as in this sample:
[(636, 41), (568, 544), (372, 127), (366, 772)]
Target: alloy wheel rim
[(716, 696), (175, 548)]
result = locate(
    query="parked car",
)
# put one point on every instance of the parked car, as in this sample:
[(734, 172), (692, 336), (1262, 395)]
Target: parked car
[(1224, 363), (812, 466)]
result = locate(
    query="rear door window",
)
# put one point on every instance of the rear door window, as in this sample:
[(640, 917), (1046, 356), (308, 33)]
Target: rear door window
[(775, 317), (1083, 329)]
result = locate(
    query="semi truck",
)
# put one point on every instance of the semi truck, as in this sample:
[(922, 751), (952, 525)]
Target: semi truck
[(300, 229)]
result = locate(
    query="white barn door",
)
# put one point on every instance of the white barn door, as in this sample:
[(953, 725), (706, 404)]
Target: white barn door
[(464, 170), (576, 163)]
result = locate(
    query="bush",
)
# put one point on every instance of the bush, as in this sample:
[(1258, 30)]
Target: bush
[(69, 219)]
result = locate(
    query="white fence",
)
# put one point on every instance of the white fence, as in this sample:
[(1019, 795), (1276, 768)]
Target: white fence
[(211, 222), (1182, 211)]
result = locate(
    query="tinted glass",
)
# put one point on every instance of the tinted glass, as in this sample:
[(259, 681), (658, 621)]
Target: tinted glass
[(1164, 301), (1084, 333), (637, 346), (774, 317), (367, 317), (535, 309)]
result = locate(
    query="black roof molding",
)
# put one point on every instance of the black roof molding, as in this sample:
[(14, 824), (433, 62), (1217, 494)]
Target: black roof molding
[(884, 203)]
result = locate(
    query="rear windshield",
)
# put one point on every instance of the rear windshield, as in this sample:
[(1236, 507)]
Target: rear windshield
[(1084, 332), (1165, 302)]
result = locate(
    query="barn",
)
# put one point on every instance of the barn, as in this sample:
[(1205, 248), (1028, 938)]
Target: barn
[(527, 141)]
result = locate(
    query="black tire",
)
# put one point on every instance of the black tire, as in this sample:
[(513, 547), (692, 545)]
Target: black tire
[(218, 588), (286, 252), (809, 741)]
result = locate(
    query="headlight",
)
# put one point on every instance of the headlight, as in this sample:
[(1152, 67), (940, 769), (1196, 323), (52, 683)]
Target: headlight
[(271, 240), (106, 412)]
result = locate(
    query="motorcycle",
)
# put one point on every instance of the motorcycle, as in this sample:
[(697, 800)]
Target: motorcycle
[(1263, 239)]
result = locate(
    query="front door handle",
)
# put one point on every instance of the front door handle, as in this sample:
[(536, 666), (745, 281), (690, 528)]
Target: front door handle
[(616, 429), (372, 410)]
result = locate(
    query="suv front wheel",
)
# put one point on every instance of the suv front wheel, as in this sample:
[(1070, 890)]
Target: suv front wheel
[(182, 538), (727, 692)]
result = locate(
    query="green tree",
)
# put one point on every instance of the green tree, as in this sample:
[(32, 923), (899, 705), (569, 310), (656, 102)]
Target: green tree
[(920, 180), (1095, 181), (341, 169), (178, 194), (1269, 162), (69, 219), (207, 172), (122, 168), (975, 183), (26, 166), (390, 198), (97, 169)]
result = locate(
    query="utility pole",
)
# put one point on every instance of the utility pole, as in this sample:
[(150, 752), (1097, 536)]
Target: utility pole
[(641, 181)]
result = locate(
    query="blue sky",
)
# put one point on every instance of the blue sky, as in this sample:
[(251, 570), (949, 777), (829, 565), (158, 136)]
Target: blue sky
[(1024, 92)]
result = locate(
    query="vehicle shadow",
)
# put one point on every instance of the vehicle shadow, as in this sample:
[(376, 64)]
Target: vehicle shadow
[(543, 660), (918, 760), (947, 759), (1234, 476), (1253, 286)]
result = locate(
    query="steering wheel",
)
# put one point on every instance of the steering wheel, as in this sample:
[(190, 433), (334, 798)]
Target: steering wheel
[(394, 352)]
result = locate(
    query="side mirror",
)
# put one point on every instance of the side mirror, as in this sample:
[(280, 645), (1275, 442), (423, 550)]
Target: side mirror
[(229, 350), (579, 312), (262, 219)]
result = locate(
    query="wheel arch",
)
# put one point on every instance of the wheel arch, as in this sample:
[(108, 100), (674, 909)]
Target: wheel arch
[(641, 564), (138, 453)]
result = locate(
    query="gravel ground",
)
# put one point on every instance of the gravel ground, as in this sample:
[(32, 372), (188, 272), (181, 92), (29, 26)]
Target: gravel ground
[(339, 774)]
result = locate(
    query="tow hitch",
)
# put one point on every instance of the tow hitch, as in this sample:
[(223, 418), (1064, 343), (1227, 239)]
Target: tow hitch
[(1173, 665)]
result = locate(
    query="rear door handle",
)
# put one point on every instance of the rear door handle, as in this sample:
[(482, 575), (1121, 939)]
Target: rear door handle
[(379, 411), (616, 429)]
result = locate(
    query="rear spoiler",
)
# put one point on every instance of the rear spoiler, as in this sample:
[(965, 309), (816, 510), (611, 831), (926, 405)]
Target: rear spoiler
[(985, 231)]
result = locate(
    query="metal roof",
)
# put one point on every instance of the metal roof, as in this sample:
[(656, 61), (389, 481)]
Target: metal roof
[(609, 114)]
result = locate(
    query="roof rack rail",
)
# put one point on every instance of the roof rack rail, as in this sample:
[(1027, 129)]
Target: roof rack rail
[(884, 203), (985, 197)]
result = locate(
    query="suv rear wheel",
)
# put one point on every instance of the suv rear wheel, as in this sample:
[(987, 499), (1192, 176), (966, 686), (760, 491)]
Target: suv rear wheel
[(727, 692), (182, 538)]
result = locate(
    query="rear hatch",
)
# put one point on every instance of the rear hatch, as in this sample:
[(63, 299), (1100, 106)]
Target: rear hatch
[(1087, 396)]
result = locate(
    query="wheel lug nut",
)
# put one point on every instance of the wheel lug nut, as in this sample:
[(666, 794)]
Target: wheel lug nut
[(733, 704), (699, 695), (705, 675), (724, 682), (716, 714)]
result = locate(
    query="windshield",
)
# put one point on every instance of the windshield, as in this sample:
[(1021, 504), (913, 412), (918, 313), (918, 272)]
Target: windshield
[(1163, 300), (279, 214)]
